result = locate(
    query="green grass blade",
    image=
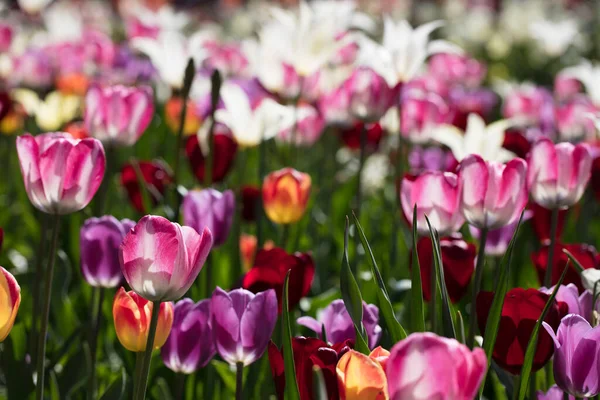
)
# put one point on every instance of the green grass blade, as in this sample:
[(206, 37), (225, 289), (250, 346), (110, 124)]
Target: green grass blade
[(417, 316), (291, 386), (575, 262)]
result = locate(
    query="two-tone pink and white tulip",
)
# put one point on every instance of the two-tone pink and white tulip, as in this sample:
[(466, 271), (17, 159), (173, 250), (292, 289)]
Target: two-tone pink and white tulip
[(369, 95), (436, 195), (493, 195), (118, 114), (161, 259), (61, 174), (558, 173)]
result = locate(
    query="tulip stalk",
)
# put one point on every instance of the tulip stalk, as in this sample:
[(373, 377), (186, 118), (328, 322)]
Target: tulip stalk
[(239, 380), (97, 301), (361, 164), (36, 283), (477, 285), (147, 355), (553, 232), (41, 348)]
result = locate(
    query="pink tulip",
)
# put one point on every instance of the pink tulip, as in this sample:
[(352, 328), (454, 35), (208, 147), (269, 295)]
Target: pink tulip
[(6, 36), (161, 259), (457, 68), (573, 119), (369, 96), (558, 173), (308, 128), (492, 194), (118, 114), (436, 195), (426, 366), (565, 86), (61, 174), (420, 113)]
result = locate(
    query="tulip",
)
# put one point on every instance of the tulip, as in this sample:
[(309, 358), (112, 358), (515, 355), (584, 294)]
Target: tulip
[(99, 240), (420, 113), (132, 313), (173, 109), (426, 366), (251, 200), (53, 111), (271, 267), (573, 120), (576, 303), (10, 298), (516, 142), (161, 259), (224, 151), (190, 345), (470, 101), (436, 194), (285, 195), (589, 280), (558, 173), (156, 178), (248, 244), (118, 114), (210, 209), (457, 68), (594, 181), (380, 355), (32, 69), (61, 174), (242, 323), (565, 87), (338, 324), (6, 37), (542, 221), (576, 368), (361, 377), (529, 104), (422, 159), (369, 95), (493, 194), (585, 254), (351, 135), (458, 259), (497, 240), (307, 129), (521, 309), (554, 393)]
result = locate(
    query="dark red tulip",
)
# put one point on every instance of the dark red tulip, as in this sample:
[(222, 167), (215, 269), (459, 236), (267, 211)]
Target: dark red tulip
[(156, 176), (351, 135), (225, 149), (595, 179), (308, 353), (269, 271), (458, 258), (5, 104), (542, 222), (584, 253), (251, 200), (517, 143)]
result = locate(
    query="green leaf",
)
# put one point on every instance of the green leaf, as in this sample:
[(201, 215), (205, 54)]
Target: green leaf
[(447, 319), (54, 389), (319, 388), (396, 330), (461, 328), (226, 373), (117, 389), (532, 346), (576, 263), (417, 317), (291, 386), (361, 343), (495, 313)]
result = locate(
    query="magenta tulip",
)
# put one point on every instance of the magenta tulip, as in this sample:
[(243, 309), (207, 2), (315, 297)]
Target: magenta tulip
[(190, 344), (369, 96), (161, 259), (427, 366), (436, 195), (118, 114), (99, 241), (493, 195), (61, 174), (558, 173), (209, 208), (242, 323)]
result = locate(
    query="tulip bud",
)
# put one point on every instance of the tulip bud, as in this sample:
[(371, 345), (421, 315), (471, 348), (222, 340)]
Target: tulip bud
[(132, 314), (10, 298), (61, 174), (209, 208), (285, 194), (361, 377)]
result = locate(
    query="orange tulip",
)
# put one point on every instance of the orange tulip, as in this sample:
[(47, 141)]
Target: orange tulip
[(361, 378), (248, 249), (10, 298), (173, 114), (132, 314), (380, 355), (285, 194)]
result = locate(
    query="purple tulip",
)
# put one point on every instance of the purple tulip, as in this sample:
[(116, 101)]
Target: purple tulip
[(338, 323), (242, 323), (577, 348), (99, 240), (498, 239), (190, 344), (576, 303), (209, 208), (554, 393)]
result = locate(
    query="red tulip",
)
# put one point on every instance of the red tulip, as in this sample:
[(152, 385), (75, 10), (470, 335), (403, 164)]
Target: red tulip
[(542, 221), (585, 254), (156, 177), (515, 142), (351, 135), (595, 180), (458, 258), (251, 198), (522, 308), (225, 148), (269, 271)]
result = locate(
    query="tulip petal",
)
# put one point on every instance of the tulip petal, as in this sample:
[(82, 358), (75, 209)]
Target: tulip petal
[(257, 324)]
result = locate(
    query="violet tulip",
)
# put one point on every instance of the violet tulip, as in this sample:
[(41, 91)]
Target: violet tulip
[(190, 344), (497, 240), (427, 366), (436, 195), (580, 304), (576, 367), (493, 195), (554, 393), (338, 324), (242, 323), (99, 241), (118, 114), (209, 208), (558, 173), (161, 259), (61, 174)]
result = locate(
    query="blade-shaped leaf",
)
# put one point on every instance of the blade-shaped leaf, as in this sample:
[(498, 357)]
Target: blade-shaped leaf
[(575, 262), (117, 389), (417, 317), (291, 386), (319, 388), (396, 330), (532, 346), (460, 322)]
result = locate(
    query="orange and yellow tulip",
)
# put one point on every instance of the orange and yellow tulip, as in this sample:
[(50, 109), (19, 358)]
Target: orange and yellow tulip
[(361, 377), (173, 109), (285, 194), (10, 298)]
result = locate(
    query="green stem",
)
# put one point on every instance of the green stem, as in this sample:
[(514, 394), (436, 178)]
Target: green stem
[(41, 349), (239, 378), (180, 385), (208, 275), (100, 200), (36, 285), (549, 265), (259, 211), (285, 234), (139, 356), (433, 300), (177, 161), (477, 286), (358, 195), (145, 368), (97, 313)]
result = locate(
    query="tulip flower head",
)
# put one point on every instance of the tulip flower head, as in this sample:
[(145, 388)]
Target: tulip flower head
[(10, 299), (285, 195), (224, 151), (161, 259), (61, 174), (210, 209), (361, 377), (242, 323), (132, 314), (590, 279), (554, 393), (156, 178), (585, 254)]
